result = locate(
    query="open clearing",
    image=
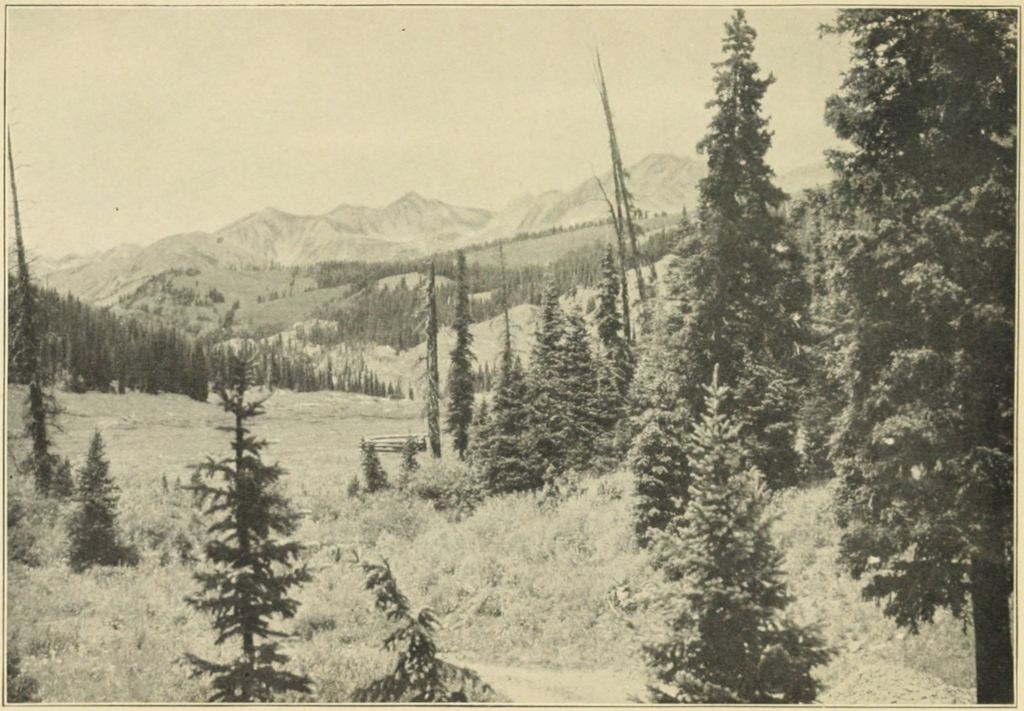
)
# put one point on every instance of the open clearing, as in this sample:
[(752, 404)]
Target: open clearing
[(524, 591)]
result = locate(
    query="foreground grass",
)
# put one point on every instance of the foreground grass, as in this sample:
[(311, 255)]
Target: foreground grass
[(520, 583)]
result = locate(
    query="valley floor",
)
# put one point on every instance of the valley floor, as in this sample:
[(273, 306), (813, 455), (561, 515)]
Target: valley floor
[(525, 592)]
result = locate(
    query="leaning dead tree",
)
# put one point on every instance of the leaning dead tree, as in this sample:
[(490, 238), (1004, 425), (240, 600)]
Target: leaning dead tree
[(622, 212)]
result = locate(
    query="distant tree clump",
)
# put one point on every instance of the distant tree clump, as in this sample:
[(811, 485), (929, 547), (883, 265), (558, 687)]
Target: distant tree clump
[(460, 376), (253, 566), (92, 530), (729, 640)]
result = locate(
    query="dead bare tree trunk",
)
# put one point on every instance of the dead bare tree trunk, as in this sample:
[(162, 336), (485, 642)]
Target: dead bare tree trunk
[(623, 198)]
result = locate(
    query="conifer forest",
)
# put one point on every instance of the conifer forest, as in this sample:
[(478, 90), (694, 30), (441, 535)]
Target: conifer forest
[(756, 448)]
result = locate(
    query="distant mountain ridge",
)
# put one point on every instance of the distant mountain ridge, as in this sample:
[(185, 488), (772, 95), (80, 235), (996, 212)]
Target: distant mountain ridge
[(411, 226)]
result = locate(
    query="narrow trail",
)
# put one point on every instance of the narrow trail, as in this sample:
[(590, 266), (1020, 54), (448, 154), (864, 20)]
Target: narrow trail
[(537, 685)]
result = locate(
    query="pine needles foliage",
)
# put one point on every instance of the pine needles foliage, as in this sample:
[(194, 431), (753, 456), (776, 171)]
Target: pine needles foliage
[(253, 565), (728, 639), (419, 675), (501, 450), (373, 471), (409, 463), (662, 474), (460, 375), (92, 529)]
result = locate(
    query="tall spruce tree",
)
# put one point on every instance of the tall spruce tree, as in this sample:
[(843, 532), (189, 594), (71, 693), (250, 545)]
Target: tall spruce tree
[(615, 356), (501, 450), (92, 529), (253, 565), (728, 638), (735, 293), (550, 415), (433, 379), (921, 313), (460, 375), (565, 420)]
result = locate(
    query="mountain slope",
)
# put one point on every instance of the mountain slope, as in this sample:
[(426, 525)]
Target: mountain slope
[(409, 227)]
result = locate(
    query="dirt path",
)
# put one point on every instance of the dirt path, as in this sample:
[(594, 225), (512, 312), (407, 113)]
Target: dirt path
[(537, 685)]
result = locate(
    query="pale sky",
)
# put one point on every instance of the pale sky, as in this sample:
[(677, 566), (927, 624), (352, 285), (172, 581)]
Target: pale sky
[(130, 124)]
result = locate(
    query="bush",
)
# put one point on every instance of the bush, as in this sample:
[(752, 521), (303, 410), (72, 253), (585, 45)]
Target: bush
[(20, 689), (452, 487)]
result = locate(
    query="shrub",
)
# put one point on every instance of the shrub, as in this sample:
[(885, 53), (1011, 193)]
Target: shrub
[(20, 689), (452, 487)]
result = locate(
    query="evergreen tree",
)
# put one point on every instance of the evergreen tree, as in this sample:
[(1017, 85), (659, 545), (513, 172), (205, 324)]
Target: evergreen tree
[(662, 475), (419, 675), (565, 420), (433, 381), (460, 375), (734, 296), (52, 474), (501, 450), (548, 405), (578, 380), (253, 566), (409, 464), (729, 640), (921, 317), (373, 472), (92, 530), (615, 369)]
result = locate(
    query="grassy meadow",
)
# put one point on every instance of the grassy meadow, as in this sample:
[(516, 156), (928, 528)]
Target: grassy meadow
[(549, 600)]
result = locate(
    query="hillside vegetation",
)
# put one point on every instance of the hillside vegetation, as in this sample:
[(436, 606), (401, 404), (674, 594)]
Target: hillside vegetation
[(519, 587)]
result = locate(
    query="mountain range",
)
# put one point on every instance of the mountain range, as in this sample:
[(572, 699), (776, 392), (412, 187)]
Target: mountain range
[(410, 226)]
